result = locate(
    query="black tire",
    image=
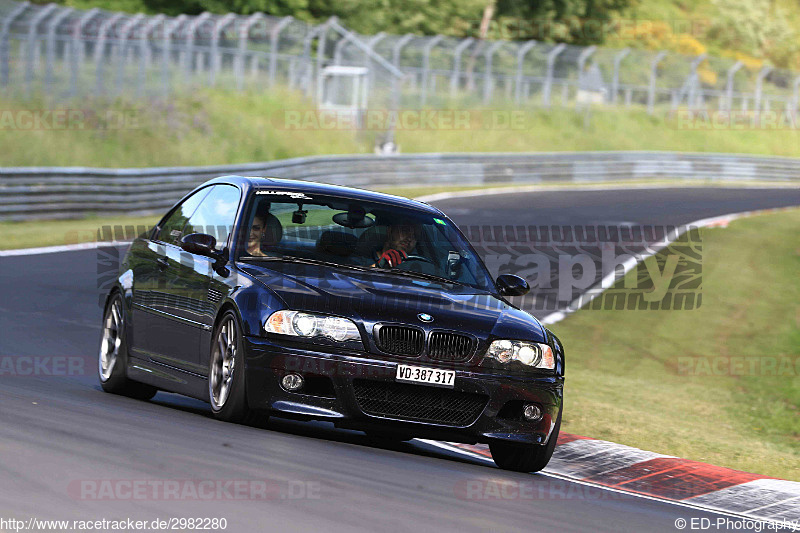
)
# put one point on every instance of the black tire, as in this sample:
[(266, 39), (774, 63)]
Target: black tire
[(113, 375), (230, 405), (525, 458)]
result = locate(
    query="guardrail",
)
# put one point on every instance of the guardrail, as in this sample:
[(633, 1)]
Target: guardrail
[(68, 192)]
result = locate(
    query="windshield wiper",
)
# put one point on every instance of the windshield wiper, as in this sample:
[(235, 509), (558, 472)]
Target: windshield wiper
[(423, 275), (406, 273), (303, 260)]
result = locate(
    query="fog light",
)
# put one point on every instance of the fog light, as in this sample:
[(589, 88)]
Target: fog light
[(292, 382), (532, 412)]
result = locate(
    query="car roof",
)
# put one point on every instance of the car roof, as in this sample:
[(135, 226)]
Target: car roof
[(248, 184)]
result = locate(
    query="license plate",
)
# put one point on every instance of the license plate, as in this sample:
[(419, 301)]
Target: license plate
[(428, 376)]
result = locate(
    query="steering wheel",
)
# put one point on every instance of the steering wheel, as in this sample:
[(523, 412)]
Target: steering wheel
[(417, 258)]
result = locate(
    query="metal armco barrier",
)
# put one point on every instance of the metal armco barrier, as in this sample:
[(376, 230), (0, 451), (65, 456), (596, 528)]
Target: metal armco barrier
[(68, 192)]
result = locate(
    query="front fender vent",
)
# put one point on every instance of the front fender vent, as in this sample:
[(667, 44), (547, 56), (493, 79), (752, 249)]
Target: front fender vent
[(214, 296)]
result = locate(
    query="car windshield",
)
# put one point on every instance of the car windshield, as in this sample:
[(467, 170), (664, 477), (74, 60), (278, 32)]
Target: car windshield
[(295, 226)]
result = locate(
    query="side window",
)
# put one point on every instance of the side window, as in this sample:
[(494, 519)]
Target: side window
[(216, 214), (171, 230)]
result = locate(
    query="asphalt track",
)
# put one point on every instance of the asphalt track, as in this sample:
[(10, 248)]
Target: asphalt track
[(59, 431)]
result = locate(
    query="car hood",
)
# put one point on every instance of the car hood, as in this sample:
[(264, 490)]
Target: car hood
[(372, 297)]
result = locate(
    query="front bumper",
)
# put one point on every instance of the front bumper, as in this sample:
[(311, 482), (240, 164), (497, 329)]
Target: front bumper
[(333, 398)]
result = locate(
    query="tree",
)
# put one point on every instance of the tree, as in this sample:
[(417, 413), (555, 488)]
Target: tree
[(572, 21)]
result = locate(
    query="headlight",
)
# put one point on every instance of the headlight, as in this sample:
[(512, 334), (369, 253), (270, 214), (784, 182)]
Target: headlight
[(528, 353), (302, 324)]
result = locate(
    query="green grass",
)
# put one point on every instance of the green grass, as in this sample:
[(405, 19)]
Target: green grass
[(224, 127), (625, 383), (204, 128)]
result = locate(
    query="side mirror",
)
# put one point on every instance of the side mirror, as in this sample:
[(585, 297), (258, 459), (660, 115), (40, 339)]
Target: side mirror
[(511, 285), (200, 244)]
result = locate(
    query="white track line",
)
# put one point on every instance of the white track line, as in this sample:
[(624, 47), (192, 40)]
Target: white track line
[(62, 248), (435, 197), (630, 264), (597, 289)]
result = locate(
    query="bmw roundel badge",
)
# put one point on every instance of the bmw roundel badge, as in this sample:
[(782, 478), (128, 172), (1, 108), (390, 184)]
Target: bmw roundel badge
[(425, 317)]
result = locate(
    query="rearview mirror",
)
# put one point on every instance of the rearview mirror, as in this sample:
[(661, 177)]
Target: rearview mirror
[(200, 244), (511, 285)]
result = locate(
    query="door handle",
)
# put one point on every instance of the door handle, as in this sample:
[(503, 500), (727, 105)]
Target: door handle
[(163, 263)]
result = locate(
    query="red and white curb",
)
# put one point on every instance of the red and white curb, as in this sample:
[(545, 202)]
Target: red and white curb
[(625, 469)]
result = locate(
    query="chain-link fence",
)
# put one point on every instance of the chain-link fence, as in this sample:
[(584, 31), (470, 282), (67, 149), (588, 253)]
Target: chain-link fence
[(69, 53)]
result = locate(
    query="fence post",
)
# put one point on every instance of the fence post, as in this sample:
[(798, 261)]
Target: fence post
[(52, 27), (188, 56), (618, 57), (77, 34), (694, 90), (337, 51), (144, 38), (651, 89), (371, 42), (796, 97), (459, 49), (244, 35), (31, 51), (274, 40), (763, 73), (426, 63), (166, 57), (521, 53), (144, 50), (315, 30), (548, 81), (5, 29), (119, 50), (488, 82), (76, 56), (99, 53), (322, 43), (729, 85), (583, 57), (398, 47), (216, 58)]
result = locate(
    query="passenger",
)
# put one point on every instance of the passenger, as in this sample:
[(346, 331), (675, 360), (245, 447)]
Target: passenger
[(266, 232), (256, 235)]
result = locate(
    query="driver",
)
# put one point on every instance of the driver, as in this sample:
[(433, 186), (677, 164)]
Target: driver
[(400, 241)]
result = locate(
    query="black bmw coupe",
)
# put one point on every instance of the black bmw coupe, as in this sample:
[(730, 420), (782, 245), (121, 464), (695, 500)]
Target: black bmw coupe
[(271, 297)]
